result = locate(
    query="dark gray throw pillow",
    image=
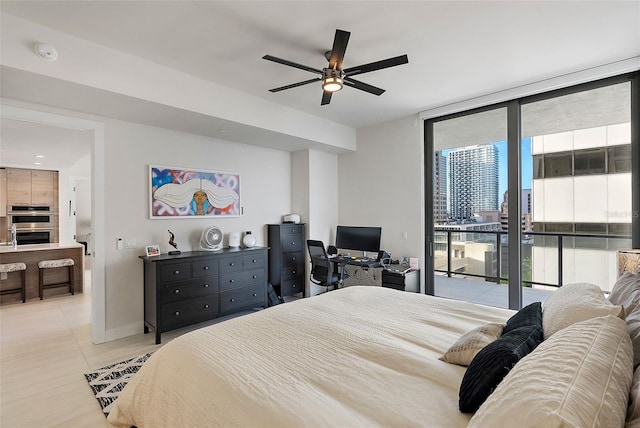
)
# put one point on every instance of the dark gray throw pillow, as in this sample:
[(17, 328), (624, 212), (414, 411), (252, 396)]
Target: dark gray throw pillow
[(492, 364), (527, 316)]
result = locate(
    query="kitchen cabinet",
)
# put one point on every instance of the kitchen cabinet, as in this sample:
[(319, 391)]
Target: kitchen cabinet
[(31, 187), (3, 192)]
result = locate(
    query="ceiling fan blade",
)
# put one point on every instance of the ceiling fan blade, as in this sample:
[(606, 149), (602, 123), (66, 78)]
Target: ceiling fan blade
[(339, 48), (363, 86), (294, 85), (326, 98), (291, 64), (378, 65)]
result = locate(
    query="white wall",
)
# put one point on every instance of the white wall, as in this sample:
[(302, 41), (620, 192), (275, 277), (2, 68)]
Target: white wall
[(381, 184), (129, 149)]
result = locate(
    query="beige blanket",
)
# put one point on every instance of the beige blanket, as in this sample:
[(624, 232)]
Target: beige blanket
[(355, 357)]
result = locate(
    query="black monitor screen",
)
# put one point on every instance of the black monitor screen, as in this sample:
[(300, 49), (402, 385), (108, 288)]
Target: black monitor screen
[(358, 238)]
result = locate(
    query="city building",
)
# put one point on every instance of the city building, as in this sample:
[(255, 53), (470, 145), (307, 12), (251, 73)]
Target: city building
[(440, 214), (473, 180)]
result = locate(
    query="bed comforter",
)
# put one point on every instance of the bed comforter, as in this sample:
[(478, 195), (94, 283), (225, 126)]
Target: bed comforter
[(358, 356)]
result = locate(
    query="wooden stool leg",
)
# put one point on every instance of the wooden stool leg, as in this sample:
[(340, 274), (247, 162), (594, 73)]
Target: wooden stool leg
[(41, 274), (71, 279), (24, 285)]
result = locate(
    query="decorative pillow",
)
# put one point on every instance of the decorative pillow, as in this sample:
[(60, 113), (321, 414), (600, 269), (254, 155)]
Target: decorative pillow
[(626, 292), (493, 363), (470, 343), (633, 410), (580, 377), (529, 315), (573, 303)]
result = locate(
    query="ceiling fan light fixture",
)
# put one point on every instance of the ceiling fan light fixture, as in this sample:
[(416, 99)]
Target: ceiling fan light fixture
[(332, 80), (331, 84)]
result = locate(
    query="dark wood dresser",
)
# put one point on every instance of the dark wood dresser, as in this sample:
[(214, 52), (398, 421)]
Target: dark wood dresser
[(197, 286), (287, 246)]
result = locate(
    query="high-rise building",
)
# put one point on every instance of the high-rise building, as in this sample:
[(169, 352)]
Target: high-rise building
[(473, 180), (440, 188), (525, 211)]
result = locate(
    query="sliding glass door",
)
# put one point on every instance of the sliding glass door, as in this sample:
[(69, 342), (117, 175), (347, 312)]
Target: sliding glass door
[(525, 196)]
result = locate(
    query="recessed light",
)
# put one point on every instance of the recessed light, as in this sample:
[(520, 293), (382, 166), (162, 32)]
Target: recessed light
[(39, 156), (222, 130), (37, 163)]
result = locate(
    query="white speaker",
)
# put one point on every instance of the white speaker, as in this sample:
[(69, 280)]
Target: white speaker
[(234, 239)]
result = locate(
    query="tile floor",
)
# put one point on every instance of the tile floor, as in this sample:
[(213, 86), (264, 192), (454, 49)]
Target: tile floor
[(45, 349)]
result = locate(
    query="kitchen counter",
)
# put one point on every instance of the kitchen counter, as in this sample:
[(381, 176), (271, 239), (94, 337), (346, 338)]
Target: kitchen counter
[(4, 248), (31, 254)]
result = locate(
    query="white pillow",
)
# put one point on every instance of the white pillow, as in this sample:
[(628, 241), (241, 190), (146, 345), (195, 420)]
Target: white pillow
[(573, 303), (472, 342), (633, 412), (626, 292), (580, 377)]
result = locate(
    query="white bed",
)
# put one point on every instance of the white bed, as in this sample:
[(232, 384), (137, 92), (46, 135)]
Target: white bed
[(359, 356)]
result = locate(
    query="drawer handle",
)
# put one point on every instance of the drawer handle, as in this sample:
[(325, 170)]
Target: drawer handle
[(176, 313), (232, 264), (176, 291), (293, 286), (293, 242), (254, 277), (255, 295), (176, 272), (206, 306), (254, 261), (231, 281), (293, 272), (232, 300), (293, 259), (206, 268), (206, 286)]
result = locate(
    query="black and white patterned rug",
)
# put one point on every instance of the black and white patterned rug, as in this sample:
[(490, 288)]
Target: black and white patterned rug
[(108, 381)]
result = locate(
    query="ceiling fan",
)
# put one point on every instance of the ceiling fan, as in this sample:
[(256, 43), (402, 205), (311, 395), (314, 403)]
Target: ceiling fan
[(333, 77)]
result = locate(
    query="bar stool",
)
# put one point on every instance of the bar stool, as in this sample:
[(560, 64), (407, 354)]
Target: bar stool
[(16, 267), (53, 264)]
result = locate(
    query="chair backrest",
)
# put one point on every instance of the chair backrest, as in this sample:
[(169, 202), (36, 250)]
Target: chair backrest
[(321, 267)]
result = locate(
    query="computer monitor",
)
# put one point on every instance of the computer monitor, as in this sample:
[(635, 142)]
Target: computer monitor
[(359, 238)]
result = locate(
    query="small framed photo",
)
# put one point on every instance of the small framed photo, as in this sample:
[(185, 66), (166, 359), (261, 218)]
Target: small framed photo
[(153, 250)]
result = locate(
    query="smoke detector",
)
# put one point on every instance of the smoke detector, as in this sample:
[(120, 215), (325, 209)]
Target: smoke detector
[(47, 52)]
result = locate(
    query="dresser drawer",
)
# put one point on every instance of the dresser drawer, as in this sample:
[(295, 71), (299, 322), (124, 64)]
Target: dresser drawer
[(292, 286), (292, 242), (189, 311), (242, 279), (253, 261), (230, 264), (293, 270), (175, 272), (246, 297), (290, 259), (202, 268), (186, 289)]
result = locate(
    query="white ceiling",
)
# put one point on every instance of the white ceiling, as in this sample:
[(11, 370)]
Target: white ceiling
[(457, 49)]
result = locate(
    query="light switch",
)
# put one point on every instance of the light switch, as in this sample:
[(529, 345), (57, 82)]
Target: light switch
[(131, 243), (119, 243)]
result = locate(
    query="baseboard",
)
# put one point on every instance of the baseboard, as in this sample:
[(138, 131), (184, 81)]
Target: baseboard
[(124, 331)]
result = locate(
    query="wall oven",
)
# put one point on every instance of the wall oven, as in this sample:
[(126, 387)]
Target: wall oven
[(34, 224)]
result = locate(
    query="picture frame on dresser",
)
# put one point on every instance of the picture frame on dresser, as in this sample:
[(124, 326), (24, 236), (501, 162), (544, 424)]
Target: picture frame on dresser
[(152, 250), (179, 192)]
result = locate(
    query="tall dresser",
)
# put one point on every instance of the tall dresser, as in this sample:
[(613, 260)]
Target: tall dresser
[(287, 258), (197, 286)]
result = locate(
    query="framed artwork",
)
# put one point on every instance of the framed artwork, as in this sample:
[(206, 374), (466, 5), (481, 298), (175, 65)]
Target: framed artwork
[(187, 193), (153, 250)]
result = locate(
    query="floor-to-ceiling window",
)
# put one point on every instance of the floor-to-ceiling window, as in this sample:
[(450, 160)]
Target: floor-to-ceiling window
[(566, 173)]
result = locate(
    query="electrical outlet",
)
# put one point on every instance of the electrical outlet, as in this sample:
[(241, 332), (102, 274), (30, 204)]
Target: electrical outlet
[(131, 243), (3, 275)]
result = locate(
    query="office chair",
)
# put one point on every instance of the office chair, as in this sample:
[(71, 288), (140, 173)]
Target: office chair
[(321, 267)]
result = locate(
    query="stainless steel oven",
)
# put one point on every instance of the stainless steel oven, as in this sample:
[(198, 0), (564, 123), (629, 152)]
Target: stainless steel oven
[(34, 224)]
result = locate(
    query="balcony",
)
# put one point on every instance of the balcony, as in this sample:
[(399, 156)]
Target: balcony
[(467, 263)]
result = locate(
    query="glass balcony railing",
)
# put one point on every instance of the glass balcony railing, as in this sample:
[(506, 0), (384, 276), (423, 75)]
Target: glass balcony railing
[(548, 260)]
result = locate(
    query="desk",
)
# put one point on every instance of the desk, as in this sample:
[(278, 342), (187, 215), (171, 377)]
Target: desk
[(340, 262)]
